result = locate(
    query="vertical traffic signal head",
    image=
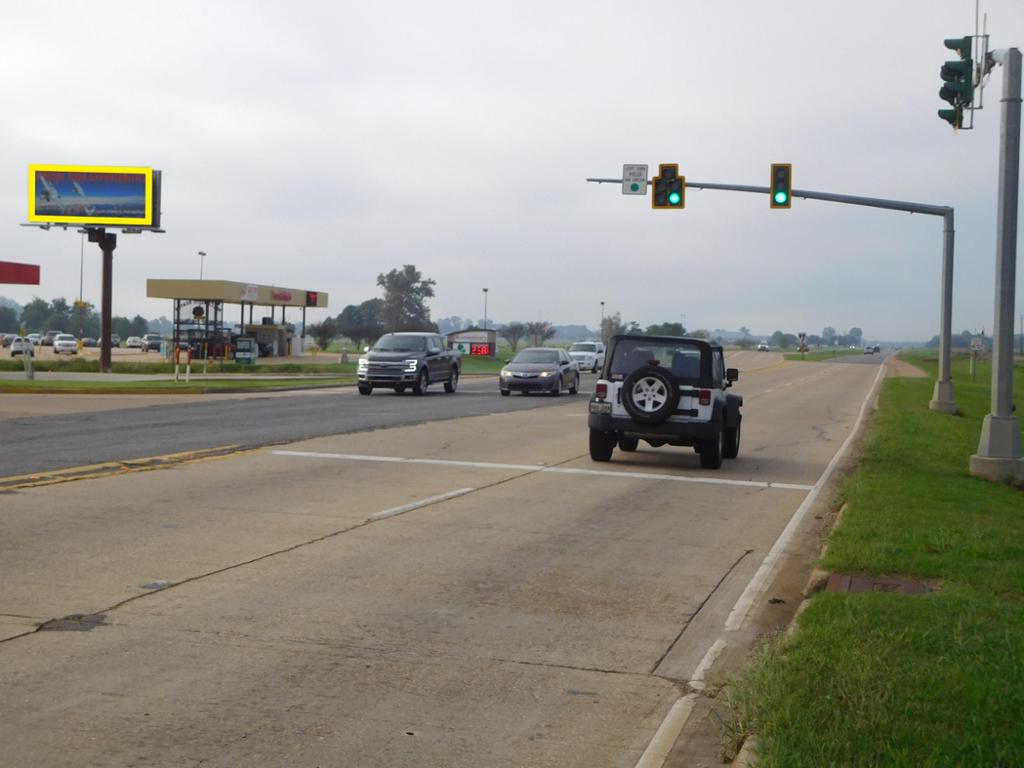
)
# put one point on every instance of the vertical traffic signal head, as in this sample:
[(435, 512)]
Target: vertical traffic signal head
[(669, 187), (780, 192), (958, 81)]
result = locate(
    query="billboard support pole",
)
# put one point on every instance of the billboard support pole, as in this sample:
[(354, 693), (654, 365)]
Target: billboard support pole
[(107, 242)]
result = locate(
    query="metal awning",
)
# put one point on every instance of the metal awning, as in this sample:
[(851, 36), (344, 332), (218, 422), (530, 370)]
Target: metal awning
[(231, 292)]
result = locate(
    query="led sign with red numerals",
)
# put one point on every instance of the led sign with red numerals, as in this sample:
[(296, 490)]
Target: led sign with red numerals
[(483, 350)]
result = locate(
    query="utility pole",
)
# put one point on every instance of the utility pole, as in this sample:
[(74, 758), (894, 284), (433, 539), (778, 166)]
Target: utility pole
[(485, 309), (999, 449), (601, 329), (202, 258)]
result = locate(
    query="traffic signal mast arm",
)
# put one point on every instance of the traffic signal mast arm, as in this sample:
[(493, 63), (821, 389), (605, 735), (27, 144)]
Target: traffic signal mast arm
[(806, 194)]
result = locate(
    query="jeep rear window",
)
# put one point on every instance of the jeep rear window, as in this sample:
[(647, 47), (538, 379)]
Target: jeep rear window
[(682, 359)]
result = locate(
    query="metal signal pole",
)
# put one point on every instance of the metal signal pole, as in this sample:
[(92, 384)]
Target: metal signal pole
[(999, 449)]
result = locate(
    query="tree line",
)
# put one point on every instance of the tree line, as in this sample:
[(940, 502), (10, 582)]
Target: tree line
[(39, 316)]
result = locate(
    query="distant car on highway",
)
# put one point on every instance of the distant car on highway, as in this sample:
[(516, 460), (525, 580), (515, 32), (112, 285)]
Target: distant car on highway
[(21, 345), (588, 355), (540, 369), (876, 348), (134, 342), (762, 347), (65, 344), (868, 349), (152, 341), (415, 360)]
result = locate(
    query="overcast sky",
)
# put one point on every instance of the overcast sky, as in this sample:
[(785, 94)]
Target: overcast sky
[(314, 145)]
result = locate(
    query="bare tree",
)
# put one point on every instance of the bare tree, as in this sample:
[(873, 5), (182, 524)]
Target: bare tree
[(513, 334), (539, 331)]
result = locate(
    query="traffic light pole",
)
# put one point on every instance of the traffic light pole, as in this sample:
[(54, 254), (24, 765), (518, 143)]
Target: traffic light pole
[(999, 449), (942, 398)]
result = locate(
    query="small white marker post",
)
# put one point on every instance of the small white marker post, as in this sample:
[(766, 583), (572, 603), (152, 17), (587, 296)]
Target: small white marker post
[(180, 353)]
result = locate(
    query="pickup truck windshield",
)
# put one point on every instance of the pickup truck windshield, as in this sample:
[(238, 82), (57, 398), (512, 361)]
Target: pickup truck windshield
[(400, 344), (583, 348)]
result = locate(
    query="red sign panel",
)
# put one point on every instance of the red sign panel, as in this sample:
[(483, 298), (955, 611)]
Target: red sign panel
[(19, 274), (281, 295), (480, 350)]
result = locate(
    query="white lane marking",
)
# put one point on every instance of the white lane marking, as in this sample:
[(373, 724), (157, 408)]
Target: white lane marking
[(771, 560), (760, 484), (667, 733), (697, 678), (421, 503)]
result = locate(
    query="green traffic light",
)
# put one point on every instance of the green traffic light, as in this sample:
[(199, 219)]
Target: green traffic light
[(781, 197), (634, 187), (674, 198)]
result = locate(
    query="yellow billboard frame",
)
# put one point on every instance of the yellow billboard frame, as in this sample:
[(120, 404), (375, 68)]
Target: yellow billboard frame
[(86, 220)]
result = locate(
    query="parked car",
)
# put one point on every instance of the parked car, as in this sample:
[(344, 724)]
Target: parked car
[(48, 337), (666, 390), (7, 338), (588, 355), (540, 369), (134, 342), (414, 360), (115, 340), (152, 341), (21, 345), (65, 344), (35, 338), (88, 341)]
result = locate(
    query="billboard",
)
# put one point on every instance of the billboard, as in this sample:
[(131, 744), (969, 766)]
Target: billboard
[(92, 194)]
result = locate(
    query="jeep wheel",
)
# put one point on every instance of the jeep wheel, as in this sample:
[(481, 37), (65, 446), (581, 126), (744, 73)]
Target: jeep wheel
[(421, 383), (711, 452), (628, 444), (363, 390), (601, 445), (453, 382), (649, 395), (731, 440)]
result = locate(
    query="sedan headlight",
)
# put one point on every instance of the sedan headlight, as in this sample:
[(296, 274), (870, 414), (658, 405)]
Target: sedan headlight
[(505, 374), (545, 374)]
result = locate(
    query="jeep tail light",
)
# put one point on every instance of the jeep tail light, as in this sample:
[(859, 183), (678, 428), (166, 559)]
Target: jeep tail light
[(705, 397), (601, 390)]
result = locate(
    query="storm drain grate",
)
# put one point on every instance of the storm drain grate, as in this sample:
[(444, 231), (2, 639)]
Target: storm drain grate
[(849, 582)]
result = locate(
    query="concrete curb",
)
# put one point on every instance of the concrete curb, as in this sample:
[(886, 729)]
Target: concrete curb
[(747, 754)]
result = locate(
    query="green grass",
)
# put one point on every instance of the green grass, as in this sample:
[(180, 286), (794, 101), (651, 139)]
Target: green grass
[(84, 365), (822, 354), (164, 387), (877, 679)]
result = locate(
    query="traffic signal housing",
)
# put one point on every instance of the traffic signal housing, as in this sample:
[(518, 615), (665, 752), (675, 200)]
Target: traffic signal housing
[(958, 81), (780, 192), (669, 187)]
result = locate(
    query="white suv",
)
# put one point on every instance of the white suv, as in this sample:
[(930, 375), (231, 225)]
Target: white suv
[(65, 344), (666, 390), (589, 355)]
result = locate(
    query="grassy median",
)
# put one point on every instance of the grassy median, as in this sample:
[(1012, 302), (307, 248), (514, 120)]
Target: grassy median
[(883, 679), (194, 387), (822, 355)]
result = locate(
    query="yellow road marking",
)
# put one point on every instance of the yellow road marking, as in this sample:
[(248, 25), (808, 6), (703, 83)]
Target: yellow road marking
[(108, 468)]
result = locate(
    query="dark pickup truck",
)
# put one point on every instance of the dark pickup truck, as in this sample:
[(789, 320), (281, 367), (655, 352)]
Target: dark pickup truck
[(414, 360)]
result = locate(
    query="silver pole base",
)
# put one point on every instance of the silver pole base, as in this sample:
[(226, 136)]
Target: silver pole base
[(942, 398), (999, 454)]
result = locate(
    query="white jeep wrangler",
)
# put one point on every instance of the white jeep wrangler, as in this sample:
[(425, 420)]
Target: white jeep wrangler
[(666, 390)]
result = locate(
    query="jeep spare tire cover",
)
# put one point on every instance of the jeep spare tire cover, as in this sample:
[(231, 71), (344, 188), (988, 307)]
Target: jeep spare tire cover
[(650, 395)]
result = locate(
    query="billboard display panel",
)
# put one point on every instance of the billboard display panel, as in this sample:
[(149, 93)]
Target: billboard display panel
[(90, 194)]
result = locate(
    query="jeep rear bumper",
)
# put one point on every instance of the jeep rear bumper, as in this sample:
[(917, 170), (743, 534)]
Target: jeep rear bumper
[(671, 432)]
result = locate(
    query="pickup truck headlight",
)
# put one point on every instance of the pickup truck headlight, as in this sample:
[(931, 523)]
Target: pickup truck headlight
[(363, 363), (411, 365)]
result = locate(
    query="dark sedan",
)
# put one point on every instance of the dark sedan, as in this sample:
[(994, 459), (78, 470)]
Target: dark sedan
[(540, 369)]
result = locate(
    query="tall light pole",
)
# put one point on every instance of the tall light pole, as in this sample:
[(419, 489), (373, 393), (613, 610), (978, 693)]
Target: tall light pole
[(485, 309), (202, 256), (601, 329)]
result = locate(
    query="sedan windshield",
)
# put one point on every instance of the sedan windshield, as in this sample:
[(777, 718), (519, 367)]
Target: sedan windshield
[(536, 356), (583, 348), (394, 343)]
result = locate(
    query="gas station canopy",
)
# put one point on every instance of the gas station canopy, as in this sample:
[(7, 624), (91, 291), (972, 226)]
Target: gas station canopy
[(231, 292)]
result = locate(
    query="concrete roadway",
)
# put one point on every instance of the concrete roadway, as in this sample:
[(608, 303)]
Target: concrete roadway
[(472, 591)]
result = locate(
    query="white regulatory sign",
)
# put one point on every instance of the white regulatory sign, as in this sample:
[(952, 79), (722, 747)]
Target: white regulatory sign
[(634, 179)]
